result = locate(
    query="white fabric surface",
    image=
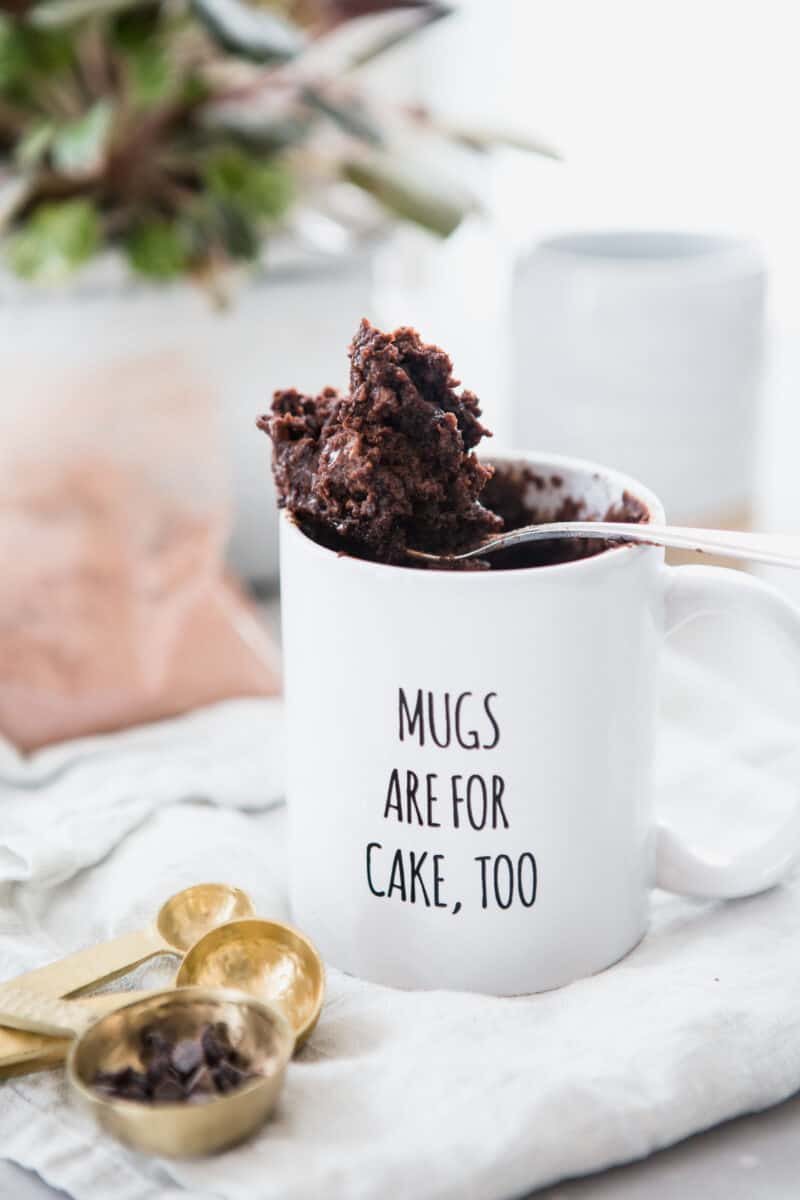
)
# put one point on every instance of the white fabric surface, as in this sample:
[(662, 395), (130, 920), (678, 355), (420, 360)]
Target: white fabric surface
[(424, 1094)]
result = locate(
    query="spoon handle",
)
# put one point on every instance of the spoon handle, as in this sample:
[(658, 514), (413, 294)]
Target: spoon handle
[(75, 973), (26, 1052), (94, 965), (44, 1018), (777, 549), (34, 1013)]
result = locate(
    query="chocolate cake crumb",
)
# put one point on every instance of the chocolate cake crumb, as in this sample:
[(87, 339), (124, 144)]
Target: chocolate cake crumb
[(390, 465)]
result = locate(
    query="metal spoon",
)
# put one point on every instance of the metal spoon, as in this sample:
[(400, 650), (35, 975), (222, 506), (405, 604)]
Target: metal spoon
[(778, 549), (180, 922), (258, 1030), (266, 959)]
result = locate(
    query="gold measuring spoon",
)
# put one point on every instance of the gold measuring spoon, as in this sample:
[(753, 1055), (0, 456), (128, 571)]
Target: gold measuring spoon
[(259, 1031), (180, 922), (266, 959)]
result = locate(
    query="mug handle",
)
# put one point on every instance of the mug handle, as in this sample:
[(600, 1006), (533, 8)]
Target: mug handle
[(691, 592)]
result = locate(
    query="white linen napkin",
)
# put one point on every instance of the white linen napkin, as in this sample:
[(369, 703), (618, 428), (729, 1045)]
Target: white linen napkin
[(432, 1094)]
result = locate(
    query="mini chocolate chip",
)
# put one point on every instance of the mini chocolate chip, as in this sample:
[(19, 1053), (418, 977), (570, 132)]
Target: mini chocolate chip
[(191, 1069), (131, 1085), (168, 1090), (200, 1082), (212, 1049), (226, 1077), (154, 1044), (222, 1034), (124, 1077), (161, 1071), (187, 1056), (128, 1082)]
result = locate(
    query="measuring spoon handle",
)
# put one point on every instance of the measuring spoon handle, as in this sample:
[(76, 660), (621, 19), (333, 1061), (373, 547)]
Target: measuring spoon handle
[(22, 1052), (94, 965), (35, 1013)]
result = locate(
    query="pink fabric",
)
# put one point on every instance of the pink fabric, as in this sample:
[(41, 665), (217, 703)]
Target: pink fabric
[(113, 607)]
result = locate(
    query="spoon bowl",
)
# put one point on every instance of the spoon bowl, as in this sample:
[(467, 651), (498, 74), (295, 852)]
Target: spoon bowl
[(259, 1032), (189, 914), (266, 959)]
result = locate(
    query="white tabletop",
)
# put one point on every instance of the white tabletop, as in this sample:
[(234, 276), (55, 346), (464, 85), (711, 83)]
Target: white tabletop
[(753, 1157)]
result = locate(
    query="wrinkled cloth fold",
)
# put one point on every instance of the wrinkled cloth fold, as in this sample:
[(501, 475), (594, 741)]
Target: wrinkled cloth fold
[(65, 807), (431, 1095)]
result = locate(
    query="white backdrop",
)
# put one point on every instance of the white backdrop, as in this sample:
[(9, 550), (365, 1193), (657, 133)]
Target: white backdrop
[(671, 113)]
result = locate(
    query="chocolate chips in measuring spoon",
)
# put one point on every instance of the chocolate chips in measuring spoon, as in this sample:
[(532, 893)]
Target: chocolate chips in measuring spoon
[(190, 1070)]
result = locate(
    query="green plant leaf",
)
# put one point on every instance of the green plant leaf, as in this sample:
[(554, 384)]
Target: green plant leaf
[(257, 187), (25, 52), (13, 59), (402, 191), (152, 76), (219, 231), (256, 134), (350, 117), (34, 145), (56, 239), (28, 55), (54, 14), (159, 249), (240, 236), (484, 138), (354, 42), (147, 41), (389, 36), (79, 146), (194, 90), (139, 25), (253, 32), (14, 191), (278, 120)]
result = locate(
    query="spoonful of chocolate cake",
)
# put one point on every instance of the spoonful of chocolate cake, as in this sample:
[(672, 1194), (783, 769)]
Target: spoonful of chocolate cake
[(390, 465)]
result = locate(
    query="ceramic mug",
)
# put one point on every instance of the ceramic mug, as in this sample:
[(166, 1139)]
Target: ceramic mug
[(645, 349), (469, 755)]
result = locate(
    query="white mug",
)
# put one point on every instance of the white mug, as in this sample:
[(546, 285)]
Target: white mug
[(469, 755), (645, 349)]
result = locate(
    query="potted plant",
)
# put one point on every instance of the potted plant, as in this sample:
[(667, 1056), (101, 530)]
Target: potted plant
[(151, 150)]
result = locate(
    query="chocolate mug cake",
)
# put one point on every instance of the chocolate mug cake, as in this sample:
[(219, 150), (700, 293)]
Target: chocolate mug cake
[(391, 465), (476, 812)]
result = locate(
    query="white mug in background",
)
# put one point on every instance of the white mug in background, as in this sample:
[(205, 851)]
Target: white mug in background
[(469, 754), (645, 349)]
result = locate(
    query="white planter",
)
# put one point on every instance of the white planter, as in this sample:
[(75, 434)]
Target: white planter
[(288, 327)]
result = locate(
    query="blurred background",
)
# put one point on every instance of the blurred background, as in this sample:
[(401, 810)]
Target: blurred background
[(592, 207)]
